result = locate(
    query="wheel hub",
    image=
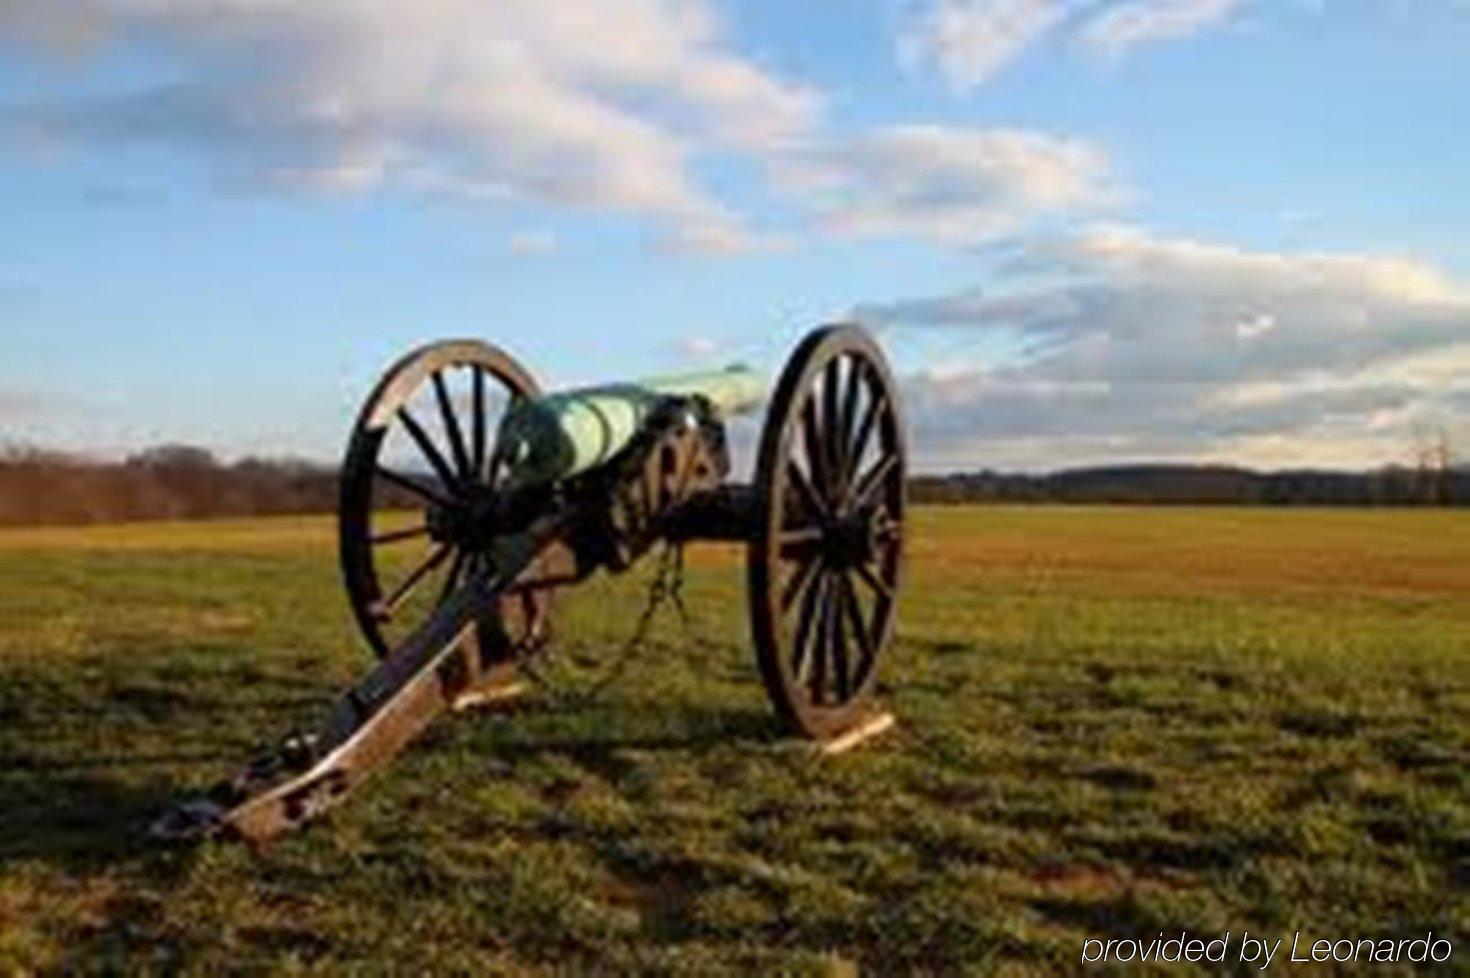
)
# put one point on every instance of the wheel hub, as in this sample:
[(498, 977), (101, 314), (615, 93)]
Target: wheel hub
[(466, 523), (851, 539)]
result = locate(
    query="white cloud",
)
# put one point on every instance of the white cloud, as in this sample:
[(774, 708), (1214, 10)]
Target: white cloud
[(1126, 25), (970, 41), (954, 186), (595, 104), (1259, 324), (1135, 350), (606, 104)]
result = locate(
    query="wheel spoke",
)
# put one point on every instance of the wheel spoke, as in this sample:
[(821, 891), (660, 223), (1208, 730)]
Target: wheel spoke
[(396, 536), (493, 475), (879, 586), (421, 438), (384, 608), (871, 481), (821, 648), (842, 664), (848, 418), (497, 458), (798, 541), (451, 580), (831, 428), (477, 424), (404, 482), (876, 402), (798, 583), (858, 625), (801, 659), (816, 454), (813, 502), (452, 428)]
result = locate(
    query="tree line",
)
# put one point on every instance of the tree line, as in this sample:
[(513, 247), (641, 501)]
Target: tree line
[(186, 482), (167, 482), (1392, 485)]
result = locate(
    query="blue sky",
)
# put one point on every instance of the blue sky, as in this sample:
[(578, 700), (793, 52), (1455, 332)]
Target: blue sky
[(1089, 230)]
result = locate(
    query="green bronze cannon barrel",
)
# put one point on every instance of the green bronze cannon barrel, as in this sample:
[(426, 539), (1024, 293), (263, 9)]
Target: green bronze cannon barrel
[(556, 436)]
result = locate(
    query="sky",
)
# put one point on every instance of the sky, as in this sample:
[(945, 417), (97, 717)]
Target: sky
[(1086, 231)]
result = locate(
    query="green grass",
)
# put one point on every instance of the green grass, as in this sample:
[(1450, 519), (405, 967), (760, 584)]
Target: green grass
[(1111, 722)]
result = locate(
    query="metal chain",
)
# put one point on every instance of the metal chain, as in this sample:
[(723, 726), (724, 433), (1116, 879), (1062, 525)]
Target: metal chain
[(667, 586)]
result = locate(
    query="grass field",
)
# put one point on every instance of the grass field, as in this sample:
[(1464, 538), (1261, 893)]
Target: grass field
[(1111, 722)]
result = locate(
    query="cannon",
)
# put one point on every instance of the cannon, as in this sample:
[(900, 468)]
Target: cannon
[(513, 494)]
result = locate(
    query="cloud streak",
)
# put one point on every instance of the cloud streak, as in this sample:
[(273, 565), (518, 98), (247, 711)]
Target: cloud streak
[(518, 99), (1137, 346), (1120, 28), (603, 104), (951, 185), (969, 42)]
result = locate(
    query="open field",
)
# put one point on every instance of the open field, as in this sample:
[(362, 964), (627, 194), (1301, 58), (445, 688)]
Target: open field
[(1112, 722)]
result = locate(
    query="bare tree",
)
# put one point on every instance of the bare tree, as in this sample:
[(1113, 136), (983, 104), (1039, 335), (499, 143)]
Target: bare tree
[(1434, 470)]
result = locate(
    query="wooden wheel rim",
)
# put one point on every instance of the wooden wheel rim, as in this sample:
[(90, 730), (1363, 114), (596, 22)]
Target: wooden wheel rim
[(361, 472), (791, 629)]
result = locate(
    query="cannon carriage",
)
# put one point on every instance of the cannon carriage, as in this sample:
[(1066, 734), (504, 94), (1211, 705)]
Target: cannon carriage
[(514, 495)]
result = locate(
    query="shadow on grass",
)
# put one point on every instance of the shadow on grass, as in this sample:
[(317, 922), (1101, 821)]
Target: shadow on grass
[(86, 810), (600, 729), (89, 757), (78, 819), (64, 801)]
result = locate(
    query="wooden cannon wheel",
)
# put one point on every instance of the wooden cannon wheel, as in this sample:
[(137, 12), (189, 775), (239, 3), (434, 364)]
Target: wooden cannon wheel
[(824, 558), (436, 411)]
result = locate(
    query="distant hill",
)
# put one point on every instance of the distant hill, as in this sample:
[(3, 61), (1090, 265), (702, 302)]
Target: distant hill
[(184, 482), (1202, 484)]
